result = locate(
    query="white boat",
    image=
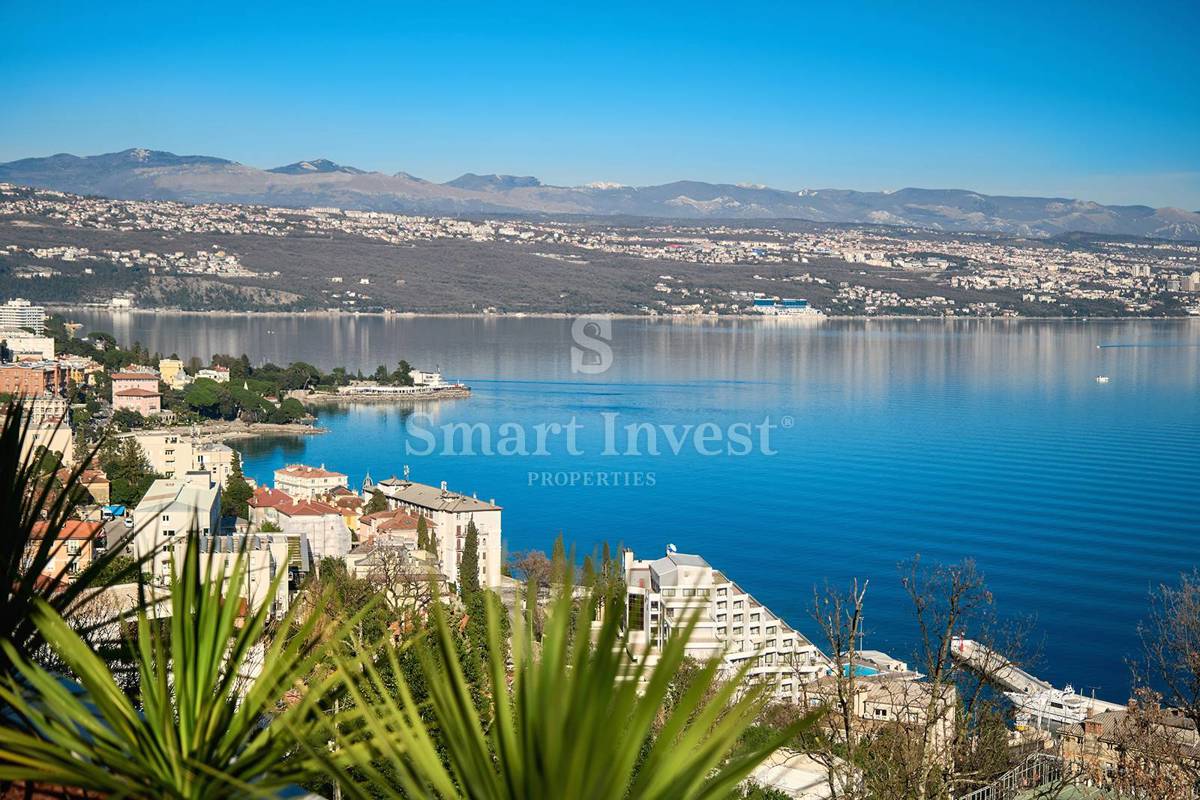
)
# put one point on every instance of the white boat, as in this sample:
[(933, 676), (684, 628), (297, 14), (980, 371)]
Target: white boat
[(1101, 379), (1050, 706)]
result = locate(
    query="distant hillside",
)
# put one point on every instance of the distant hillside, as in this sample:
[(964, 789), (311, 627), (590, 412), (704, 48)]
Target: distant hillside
[(154, 175)]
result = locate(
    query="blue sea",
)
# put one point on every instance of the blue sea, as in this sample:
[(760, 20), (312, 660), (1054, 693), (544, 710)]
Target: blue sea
[(886, 439)]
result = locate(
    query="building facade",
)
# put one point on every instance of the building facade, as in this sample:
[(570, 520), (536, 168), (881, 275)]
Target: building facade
[(20, 313), (306, 483), (451, 512), (172, 510), (136, 391), (669, 593), (22, 346), (33, 379)]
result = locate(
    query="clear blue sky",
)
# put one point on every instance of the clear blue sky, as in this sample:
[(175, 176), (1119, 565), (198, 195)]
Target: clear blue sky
[(1096, 99)]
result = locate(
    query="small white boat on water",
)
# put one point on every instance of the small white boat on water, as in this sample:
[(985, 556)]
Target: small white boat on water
[(1101, 379)]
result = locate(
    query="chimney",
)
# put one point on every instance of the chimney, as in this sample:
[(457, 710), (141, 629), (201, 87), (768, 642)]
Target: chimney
[(443, 487), (1092, 727)]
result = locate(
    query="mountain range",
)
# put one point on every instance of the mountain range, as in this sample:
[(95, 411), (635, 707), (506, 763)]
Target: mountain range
[(141, 174)]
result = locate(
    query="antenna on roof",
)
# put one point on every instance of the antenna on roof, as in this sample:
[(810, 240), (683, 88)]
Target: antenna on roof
[(406, 472), (672, 549)]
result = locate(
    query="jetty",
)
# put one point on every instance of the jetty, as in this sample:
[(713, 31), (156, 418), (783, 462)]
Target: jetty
[(986, 662), (1037, 699)]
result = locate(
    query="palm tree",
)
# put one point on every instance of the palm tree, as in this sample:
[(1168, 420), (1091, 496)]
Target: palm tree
[(33, 510), (578, 720), (206, 691)]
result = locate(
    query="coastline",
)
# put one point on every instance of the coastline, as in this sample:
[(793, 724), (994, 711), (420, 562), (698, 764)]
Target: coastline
[(332, 313), (380, 399), (225, 431)]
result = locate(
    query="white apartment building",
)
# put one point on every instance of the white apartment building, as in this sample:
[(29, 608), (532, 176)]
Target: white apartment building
[(666, 593), (306, 483), (20, 313), (266, 556), (171, 510), (172, 453), (450, 512), (26, 346)]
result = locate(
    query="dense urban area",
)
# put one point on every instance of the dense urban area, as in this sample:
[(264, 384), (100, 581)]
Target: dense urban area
[(62, 248)]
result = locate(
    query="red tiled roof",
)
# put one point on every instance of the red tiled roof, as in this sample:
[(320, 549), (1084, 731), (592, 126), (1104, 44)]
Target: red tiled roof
[(135, 376), (269, 498), (138, 393), (71, 529), (398, 519)]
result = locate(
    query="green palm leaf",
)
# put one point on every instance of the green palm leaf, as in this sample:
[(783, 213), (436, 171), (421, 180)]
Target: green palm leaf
[(207, 691), (576, 719)]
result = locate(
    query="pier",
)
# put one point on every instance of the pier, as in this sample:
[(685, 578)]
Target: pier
[(982, 660), (992, 666)]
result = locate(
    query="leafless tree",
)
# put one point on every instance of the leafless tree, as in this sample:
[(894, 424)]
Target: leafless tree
[(408, 584), (946, 733), (839, 616)]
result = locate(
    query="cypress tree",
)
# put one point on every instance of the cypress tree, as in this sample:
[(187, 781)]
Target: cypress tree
[(468, 566), (558, 561), (422, 534), (235, 499)]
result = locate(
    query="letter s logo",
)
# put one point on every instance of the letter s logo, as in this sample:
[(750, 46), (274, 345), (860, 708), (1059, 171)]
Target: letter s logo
[(591, 354)]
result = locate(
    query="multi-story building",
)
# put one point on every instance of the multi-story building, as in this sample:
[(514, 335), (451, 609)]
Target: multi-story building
[(80, 369), (136, 391), (669, 593), (20, 313), (72, 551), (23, 346), (33, 378), (264, 556), (450, 512), (394, 527), (172, 453), (218, 374), (172, 510), (305, 483), (214, 458)]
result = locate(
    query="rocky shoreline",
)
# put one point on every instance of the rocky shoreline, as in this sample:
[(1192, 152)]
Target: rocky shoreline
[(223, 431), (372, 397)]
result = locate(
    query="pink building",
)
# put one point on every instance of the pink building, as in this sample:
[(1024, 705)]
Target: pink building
[(137, 391)]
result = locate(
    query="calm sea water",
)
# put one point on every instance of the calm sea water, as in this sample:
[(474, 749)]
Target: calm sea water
[(988, 440)]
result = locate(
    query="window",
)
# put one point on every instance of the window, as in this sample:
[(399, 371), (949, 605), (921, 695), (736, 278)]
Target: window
[(737, 617), (637, 612), (73, 548)]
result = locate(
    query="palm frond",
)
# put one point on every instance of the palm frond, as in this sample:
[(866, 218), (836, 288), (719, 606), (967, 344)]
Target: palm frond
[(207, 692), (33, 513), (576, 718)]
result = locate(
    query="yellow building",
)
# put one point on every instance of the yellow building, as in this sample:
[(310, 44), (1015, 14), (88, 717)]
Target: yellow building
[(170, 371)]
